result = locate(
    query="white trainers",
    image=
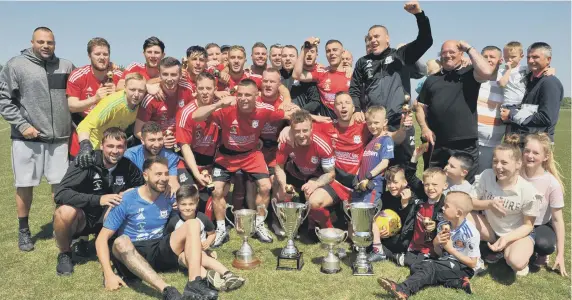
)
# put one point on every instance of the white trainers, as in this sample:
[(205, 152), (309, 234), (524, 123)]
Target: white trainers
[(522, 272), (220, 238), (480, 268), (263, 233)]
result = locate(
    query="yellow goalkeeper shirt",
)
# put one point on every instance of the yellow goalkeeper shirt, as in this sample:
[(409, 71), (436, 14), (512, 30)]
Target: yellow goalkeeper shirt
[(111, 111)]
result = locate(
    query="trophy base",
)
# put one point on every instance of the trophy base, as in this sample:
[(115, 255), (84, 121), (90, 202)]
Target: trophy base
[(330, 271), (362, 270), (290, 263), (246, 265)]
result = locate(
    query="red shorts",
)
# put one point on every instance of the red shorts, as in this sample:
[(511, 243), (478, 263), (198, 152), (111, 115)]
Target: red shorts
[(74, 143), (270, 156), (251, 163), (344, 193)]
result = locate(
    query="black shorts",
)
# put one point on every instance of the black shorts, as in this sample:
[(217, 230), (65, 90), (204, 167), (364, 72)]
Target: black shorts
[(185, 177), (93, 222), (298, 183), (271, 171), (157, 253), (220, 173)]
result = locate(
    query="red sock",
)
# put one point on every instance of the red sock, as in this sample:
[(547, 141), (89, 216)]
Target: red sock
[(321, 216)]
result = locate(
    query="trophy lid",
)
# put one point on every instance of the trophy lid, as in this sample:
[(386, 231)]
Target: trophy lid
[(331, 233), (362, 205), (290, 205), (245, 212)]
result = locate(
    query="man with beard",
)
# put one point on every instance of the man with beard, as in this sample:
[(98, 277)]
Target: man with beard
[(276, 56), (33, 102), (198, 140), (84, 195), (304, 94), (259, 58), (329, 81), (377, 76), (142, 248), (177, 94), (349, 139), (89, 84), (116, 110), (236, 61), (152, 144), (241, 125)]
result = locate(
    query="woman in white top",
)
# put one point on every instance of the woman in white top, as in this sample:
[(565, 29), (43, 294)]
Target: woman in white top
[(510, 206), (540, 170)]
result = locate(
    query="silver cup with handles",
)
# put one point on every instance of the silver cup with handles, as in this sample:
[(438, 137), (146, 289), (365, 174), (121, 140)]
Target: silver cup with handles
[(290, 215), (361, 215), (245, 224), (331, 237)]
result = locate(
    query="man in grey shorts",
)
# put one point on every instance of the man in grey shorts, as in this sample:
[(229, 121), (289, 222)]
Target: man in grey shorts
[(33, 101)]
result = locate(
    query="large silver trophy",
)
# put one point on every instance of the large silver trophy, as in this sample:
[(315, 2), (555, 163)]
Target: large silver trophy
[(290, 215), (331, 237), (361, 215), (245, 224)]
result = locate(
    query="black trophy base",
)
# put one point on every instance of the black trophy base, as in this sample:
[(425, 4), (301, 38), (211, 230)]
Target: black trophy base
[(290, 263)]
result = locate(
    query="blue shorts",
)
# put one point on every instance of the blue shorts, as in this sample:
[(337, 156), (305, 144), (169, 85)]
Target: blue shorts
[(372, 196)]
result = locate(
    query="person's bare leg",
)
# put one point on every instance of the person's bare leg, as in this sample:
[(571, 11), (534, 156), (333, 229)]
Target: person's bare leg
[(187, 239), (67, 221), (263, 195), (219, 202), (124, 250)]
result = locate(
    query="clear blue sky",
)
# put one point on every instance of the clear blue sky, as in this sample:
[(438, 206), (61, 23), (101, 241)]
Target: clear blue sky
[(182, 24)]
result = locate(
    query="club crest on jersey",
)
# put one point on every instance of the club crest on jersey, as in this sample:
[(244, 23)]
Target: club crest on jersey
[(233, 129), (357, 139), (296, 83), (377, 146), (198, 135), (314, 160), (255, 124), (327, 85), (164, 214), (181, 102), (183, 177), (388, 60), (459, 244), (119, 180)]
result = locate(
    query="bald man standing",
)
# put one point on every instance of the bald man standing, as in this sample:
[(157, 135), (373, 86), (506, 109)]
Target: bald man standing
[(33, 101), (451, 100)]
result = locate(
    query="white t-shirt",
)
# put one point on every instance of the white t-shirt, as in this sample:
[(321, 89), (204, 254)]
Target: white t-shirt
[(515, 88), (206, 225), (520, 200), (465, 186), (548, 186)]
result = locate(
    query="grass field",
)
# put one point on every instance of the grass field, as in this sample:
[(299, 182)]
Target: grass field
[(33, 276)]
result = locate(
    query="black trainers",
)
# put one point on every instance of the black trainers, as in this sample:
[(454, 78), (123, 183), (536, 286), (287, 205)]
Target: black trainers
[(65, 264), (171, 293), (80, 248), (199, 289), (25, 240)]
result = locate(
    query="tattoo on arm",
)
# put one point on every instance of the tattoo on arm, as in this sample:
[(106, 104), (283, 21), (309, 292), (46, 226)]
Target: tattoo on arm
[(327, 177)]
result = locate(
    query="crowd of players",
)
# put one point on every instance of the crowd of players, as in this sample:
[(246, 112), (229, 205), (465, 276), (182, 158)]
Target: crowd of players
[(153, 151)]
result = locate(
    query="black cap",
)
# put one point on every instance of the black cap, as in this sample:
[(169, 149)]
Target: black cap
[(224, 47)]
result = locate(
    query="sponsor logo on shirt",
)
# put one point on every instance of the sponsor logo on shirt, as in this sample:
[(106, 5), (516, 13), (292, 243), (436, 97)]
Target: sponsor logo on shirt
[(367, 153)]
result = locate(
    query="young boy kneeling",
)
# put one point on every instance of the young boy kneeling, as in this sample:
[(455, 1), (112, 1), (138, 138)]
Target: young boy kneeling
[(457, 244), (187, 202)]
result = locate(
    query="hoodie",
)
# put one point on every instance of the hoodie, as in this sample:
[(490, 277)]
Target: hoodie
[(33, 93)]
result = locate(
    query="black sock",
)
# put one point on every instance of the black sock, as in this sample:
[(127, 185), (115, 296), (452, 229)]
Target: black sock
[(23, 223)]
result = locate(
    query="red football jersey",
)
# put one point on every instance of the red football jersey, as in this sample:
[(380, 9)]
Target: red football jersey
[(83, 84), (329, 83), (271, 130), (348, 143), (201, 136), (305, 162), (232, 83), (137, 67), (240, 132), (164, 112)]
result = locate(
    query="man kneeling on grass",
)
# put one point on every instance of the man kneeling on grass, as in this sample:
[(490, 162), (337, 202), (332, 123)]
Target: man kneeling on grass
[(142, 247)]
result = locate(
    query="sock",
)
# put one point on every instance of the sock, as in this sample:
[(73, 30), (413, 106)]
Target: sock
[(259, 220), (23, 223), (221, 225)]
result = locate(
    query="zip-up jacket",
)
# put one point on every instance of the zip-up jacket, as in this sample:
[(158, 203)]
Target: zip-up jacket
[(83, 188), (380, 75), (33, 93)]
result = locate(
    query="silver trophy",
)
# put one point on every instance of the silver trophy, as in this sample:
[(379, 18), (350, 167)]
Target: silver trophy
[(290, 215), (331, 237), (361, 215), (245, 224)]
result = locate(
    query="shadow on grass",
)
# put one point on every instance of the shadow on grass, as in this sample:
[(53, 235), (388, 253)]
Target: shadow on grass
[(140, 287), (46, 232), (501, 273), (383, 295)]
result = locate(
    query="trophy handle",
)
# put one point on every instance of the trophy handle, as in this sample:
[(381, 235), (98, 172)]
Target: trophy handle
[(346, 236), (316, 229), (307, 211), (346, 207), (265, 211), (232, 210)]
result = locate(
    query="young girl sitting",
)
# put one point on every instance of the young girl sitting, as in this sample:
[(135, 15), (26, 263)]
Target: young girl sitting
[(540, 170), (510, 206)]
